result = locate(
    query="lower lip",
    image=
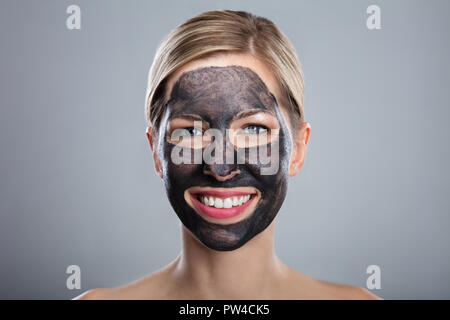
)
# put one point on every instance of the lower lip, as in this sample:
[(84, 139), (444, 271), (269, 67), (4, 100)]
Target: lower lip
[(223, 213)]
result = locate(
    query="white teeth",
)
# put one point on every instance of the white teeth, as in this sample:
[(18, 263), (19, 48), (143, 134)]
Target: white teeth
[(227, 203), (224, 203), (218, 203)]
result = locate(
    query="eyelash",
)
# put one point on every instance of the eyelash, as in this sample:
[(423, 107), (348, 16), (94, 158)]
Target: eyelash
[(249, 125), (258, 126), (189, 129)]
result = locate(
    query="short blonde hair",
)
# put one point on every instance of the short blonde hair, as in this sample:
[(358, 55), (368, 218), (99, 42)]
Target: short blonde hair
[(223, 31)]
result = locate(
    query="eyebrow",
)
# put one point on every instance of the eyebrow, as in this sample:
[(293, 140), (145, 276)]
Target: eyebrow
[(240, 115), (188, 116), (248, 113)]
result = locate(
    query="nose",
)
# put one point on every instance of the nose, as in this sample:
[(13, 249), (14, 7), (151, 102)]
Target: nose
[(221, 172), (225, 169)]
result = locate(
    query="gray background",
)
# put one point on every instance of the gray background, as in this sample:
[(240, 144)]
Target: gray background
[(77, 183)]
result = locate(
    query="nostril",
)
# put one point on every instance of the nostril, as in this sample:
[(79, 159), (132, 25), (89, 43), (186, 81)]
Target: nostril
[(221, 172)]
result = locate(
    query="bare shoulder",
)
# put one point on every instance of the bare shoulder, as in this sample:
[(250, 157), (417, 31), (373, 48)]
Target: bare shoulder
[(95, 294), (152, 286), (346, 292), (364, 294), (306, 287)]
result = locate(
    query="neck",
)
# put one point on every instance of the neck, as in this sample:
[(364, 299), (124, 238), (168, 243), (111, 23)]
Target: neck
[(249, 271)]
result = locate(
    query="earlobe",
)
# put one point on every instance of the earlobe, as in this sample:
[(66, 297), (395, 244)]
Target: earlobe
[(156, 159), (299, 149)]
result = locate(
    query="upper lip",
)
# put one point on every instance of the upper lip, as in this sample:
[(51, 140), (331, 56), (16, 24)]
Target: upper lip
[(223, 192)]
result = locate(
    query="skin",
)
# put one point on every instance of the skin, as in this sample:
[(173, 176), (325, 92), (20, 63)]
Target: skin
[(231, 259)]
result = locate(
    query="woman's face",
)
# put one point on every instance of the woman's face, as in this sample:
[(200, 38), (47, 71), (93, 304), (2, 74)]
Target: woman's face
[(224, 147)]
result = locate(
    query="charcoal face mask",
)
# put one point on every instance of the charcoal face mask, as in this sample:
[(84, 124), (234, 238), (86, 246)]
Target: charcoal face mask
[(217, 94)]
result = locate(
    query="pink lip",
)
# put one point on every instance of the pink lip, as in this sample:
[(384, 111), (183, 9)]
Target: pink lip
[(222, 194), (222, 213)]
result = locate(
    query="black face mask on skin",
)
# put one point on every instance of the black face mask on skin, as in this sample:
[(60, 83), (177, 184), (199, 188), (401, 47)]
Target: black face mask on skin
[(217, 94)]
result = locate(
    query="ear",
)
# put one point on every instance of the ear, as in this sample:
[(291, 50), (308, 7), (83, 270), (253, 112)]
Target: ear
[(299, 149), (156, 159)]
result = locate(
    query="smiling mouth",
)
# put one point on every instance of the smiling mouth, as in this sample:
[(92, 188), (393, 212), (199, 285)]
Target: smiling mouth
[(224, 203)]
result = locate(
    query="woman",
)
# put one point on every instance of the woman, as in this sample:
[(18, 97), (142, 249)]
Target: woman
[(226, 129)]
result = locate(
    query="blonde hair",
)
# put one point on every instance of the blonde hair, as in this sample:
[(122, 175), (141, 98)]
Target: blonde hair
[(223, 31)]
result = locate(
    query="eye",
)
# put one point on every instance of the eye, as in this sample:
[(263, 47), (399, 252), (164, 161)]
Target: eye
[(192, 131), (255, 129)]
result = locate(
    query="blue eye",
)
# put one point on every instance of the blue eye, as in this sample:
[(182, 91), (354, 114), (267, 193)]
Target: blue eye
[(192, 131), (255, 129)]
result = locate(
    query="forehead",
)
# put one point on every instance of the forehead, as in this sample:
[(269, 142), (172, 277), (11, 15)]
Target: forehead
[(260, 72), (231, 88)]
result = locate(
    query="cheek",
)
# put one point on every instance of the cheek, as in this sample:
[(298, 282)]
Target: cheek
[(181, 173), (178, 176), (273, 155)]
